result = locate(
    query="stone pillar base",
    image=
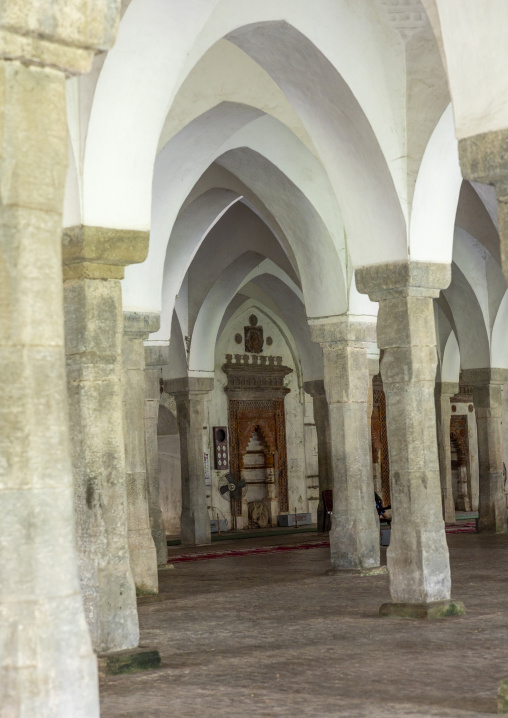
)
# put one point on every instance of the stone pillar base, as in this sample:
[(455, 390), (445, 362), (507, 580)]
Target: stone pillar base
[(502, 697), (129, 661), (428, 611), (372, 571)]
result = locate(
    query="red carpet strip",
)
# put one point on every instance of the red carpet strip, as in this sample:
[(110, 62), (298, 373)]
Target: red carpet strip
[(463, 527)]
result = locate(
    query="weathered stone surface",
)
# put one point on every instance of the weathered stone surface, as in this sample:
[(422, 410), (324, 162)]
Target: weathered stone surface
[(502, 697), (484, 158), (322, 420), (143, 556), (90, 26), (189, 393), (418, 560), (430, 611), (101, 252), (443, 393), (132, 661), (354, 536), (374, 571), (47, 666), (155, 358), (93, 333), (488, 400)]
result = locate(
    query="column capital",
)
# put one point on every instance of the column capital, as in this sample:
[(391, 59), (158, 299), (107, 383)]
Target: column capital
[(64, 36), (373, 362), (403, 279), (484, 376), (315, 388), (156, 355), (188, 385), (446, 388), (484, 158), (101, 252), (341, 329), (140, 324)]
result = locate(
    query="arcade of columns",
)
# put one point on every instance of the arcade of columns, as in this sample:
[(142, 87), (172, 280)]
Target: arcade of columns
[(79, 407)]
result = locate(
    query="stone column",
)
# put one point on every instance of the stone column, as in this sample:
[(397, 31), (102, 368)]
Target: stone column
[(47, 665), (316, 389), (94, 260), (143, 556), (484, 158), (354, 536), (418, 561), (190, 393), (373, 363), (487, 396), (155, 358), (443, 393)]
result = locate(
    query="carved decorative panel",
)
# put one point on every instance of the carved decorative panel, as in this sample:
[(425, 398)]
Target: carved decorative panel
[(380, 439), (256, 394)]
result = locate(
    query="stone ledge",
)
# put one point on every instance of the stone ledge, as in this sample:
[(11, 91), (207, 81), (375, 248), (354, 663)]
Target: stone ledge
[(373, 571), (141, 323), (382, 281), (342, 329), (484, 157), (185, 385), (132, 660), (101, 252), (427, 611)]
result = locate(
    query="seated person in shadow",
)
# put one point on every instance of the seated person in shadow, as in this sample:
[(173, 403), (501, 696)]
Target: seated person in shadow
[(384, 512)]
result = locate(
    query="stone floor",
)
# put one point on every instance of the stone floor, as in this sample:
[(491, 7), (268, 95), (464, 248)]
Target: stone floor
[(271, 635)]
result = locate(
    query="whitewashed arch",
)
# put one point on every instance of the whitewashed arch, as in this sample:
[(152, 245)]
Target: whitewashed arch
[(499, 342), (291, 310), (285, 176), (436, 196), (122, 141), (450, 365), (204, 336), (469, 322)]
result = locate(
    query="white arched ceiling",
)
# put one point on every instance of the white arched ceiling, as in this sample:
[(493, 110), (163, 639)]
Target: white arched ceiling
[(499, 343), (123, 139), (436, 196), (227, 74), (204, 336), (469, 322), (192, 226), (474, 217), (240, 230), (472, 36), (316, 246), (177, 362), (482, 272), (450, 365)]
